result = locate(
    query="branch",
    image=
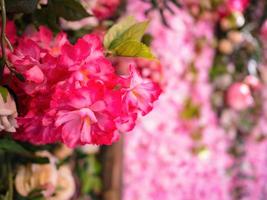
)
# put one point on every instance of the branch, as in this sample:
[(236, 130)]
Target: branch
[(3, 38), (5, 41)]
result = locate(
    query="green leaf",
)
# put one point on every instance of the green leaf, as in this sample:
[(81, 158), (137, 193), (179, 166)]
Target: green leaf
[(117, 30), (147, 39), (33, 195), (124, 39), (4, 93), (12, 146), (190, 111), (135, 32), (132, 48), (46, 16), (50, 14), (21, 6), (71, 10)]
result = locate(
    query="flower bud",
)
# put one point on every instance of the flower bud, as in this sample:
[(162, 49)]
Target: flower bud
[(37, 176), (226, 47), (239, 96), (253, 82), (236, 37), (8, 113)]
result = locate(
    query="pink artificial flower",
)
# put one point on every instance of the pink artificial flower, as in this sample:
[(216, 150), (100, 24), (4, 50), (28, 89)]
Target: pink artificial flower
[(88, 48), (72, 93), (239, 96), (26, 60), (11, 32), (83, 112), (44, 37), (140, 94), (37, 129)]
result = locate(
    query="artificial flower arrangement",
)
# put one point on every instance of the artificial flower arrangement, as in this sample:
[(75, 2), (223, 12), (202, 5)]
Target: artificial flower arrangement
[(58, 94)]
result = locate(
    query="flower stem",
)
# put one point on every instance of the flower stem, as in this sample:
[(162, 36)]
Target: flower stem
[(10, 179), (5, 41), (3, 38)]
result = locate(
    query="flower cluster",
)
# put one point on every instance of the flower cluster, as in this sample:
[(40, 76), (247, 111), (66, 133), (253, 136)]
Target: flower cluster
[(72, 93)]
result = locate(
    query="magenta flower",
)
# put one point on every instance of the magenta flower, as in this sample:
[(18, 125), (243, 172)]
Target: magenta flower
[(140, 94), (72, 93), (84, 114)]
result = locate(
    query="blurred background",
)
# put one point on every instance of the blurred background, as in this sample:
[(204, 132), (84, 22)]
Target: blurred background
[(206, 138)]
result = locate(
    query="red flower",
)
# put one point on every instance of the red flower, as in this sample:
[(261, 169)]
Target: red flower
[(72, 93)]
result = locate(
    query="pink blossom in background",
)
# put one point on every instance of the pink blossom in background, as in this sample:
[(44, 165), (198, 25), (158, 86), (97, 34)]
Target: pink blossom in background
[(237, 5), (171, 155), (239, 96), (255, 160), (174, 154), (264, 30), (253, 82)]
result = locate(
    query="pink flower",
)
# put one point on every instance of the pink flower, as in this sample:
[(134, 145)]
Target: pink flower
[(140, 94), (264, 30), (27, 61), (72, 93), (239, 96), (87, 48), (83, 114), (253, 82), (44, 37), (229, 7), (237, 5), (43, 2), (11, 32)]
